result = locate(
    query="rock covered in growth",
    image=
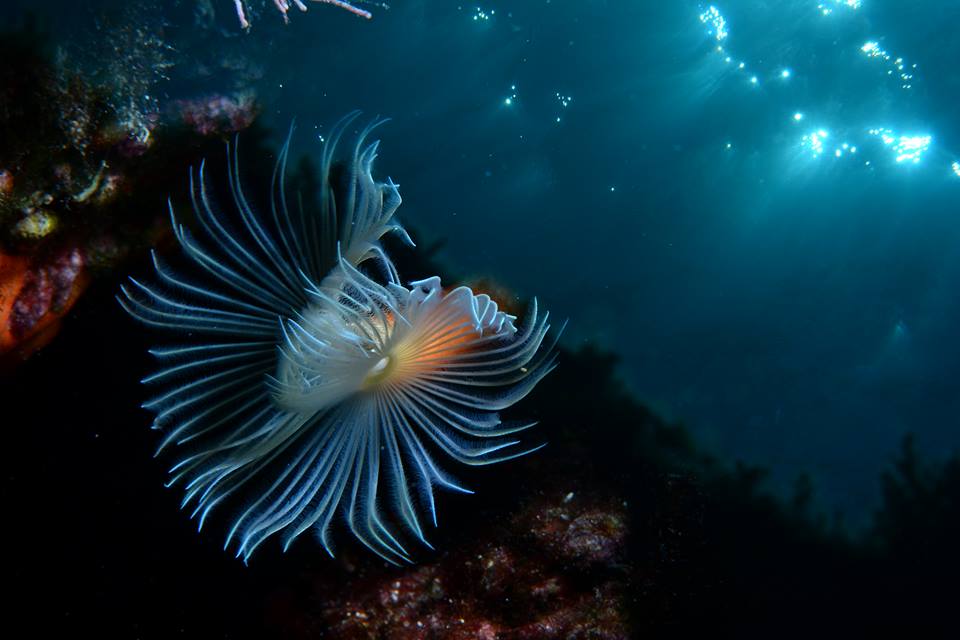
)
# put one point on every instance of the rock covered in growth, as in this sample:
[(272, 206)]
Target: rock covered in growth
[(35, 294), (556, 568), (218, 114), (86, 164)]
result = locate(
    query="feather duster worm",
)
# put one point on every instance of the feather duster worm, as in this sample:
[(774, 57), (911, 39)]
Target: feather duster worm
[(310, 388)]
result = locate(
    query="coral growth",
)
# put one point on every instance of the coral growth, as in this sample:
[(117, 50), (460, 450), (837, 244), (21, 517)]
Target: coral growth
[(557, 567), (217, 114), (83, 171)]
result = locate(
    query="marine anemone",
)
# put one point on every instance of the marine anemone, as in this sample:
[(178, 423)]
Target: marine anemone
[(309, 386)]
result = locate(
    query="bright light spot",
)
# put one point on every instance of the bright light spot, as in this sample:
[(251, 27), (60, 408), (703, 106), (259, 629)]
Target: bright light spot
[(905, 148), (510, 99), (742, 65), (785, 73), (885, 134), (563, 100), (826, 6), (843, 148), (798, 116), (718, 26), (873, 50), (814, 141), (482, 15), (613, 188), (956, 168), (753, 80), (911, 147), (729, 145)]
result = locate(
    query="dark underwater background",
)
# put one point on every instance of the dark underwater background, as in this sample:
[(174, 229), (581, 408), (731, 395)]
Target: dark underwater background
[(747, 211)]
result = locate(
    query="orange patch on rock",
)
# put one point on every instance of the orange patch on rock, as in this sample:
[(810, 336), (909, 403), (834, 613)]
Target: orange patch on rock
[(34, 297)]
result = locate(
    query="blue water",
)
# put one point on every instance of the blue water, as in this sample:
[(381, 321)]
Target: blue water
[(795, 309), (772, 250)]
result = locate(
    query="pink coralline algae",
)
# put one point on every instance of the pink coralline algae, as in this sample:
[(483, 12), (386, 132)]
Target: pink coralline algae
[(554, 570), (217, 114)]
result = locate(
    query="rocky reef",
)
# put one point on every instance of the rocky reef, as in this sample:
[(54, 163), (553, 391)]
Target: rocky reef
[(549, 559), (86, 165), (557, 562)]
